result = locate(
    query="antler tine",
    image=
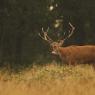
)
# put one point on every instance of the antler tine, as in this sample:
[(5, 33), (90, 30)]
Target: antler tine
[(71, 32), (47, 29), (48, 36), (45, 34), (73, 28), (42, 29)]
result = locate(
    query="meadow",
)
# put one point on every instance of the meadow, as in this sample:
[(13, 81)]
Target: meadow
[(49, 79)]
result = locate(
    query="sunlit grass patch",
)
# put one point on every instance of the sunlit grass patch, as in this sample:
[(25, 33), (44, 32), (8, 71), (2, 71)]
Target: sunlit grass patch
[(50, 79)]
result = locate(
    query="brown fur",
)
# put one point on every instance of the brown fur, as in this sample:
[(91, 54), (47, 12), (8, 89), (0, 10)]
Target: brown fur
[(76, 54)]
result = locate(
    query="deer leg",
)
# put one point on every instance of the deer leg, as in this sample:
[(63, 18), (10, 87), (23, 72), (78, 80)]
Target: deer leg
[(72, 62)]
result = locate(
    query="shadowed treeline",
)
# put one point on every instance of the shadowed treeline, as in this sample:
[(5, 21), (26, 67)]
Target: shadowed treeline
[(21, 21)]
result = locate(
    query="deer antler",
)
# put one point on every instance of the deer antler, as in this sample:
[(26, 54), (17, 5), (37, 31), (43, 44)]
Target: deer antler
[(45, 36), (71, 32), (60, 42)]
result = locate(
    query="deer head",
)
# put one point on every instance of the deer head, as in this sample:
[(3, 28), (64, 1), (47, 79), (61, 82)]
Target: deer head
[(56, 45)]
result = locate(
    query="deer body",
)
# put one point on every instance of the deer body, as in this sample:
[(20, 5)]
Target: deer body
[(76, 54)]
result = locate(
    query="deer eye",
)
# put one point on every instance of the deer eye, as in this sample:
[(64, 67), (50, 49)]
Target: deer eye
[(54, 47)]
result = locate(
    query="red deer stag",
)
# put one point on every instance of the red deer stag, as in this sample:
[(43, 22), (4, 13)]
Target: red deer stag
[(70, 54)]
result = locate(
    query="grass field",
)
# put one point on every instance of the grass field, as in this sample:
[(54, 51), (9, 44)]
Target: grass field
[(50, 79)]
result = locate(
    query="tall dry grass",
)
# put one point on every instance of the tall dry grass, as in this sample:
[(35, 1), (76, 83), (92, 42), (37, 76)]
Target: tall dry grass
[(50, 79)]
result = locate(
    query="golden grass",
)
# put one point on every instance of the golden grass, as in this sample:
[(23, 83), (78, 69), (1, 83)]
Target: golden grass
[(51, 79)]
